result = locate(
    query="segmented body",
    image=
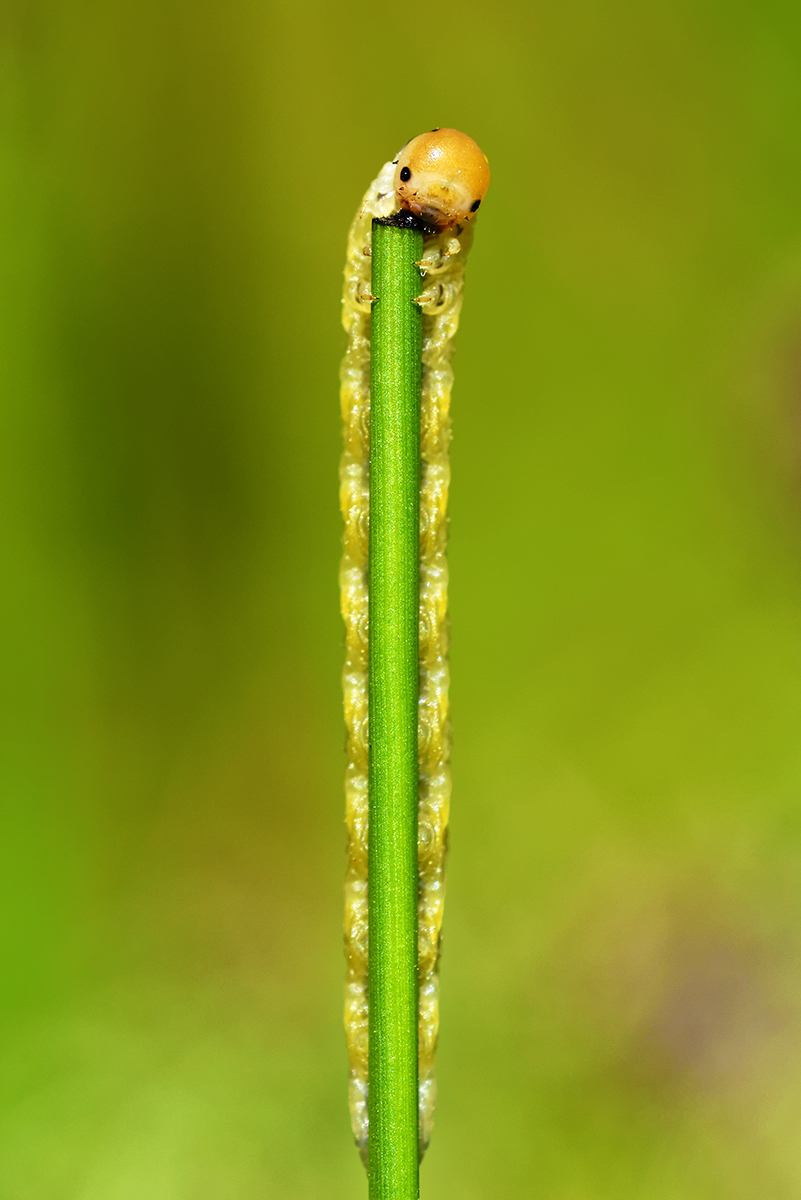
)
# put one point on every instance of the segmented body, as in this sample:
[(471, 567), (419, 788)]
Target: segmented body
[(441, 297)]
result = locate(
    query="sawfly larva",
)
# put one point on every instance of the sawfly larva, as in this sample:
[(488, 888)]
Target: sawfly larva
[(440, 178)]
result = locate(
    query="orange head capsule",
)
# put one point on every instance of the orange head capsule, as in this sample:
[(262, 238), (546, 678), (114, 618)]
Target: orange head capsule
[(441, 177)]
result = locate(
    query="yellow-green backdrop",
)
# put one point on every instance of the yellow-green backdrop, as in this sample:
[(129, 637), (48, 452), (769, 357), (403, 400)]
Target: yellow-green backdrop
[(621, 998)]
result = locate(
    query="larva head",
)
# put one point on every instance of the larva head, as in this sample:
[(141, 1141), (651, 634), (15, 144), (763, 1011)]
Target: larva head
[(441, 177)]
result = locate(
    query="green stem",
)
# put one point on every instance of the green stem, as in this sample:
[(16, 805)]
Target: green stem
[(395, 374)]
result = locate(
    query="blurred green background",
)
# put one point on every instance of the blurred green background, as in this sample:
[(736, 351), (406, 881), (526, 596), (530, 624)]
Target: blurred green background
[(621, 1002)]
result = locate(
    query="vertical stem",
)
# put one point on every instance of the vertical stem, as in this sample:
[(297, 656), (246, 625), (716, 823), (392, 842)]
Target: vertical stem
[(396, 347)]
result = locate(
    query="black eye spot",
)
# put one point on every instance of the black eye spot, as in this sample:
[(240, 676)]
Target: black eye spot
[(405, 174), (475, 206)]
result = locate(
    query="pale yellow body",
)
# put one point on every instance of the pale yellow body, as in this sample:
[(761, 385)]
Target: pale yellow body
[(443, 265)]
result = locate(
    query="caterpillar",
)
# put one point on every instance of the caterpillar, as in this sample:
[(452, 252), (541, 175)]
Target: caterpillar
[(440, 179)]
